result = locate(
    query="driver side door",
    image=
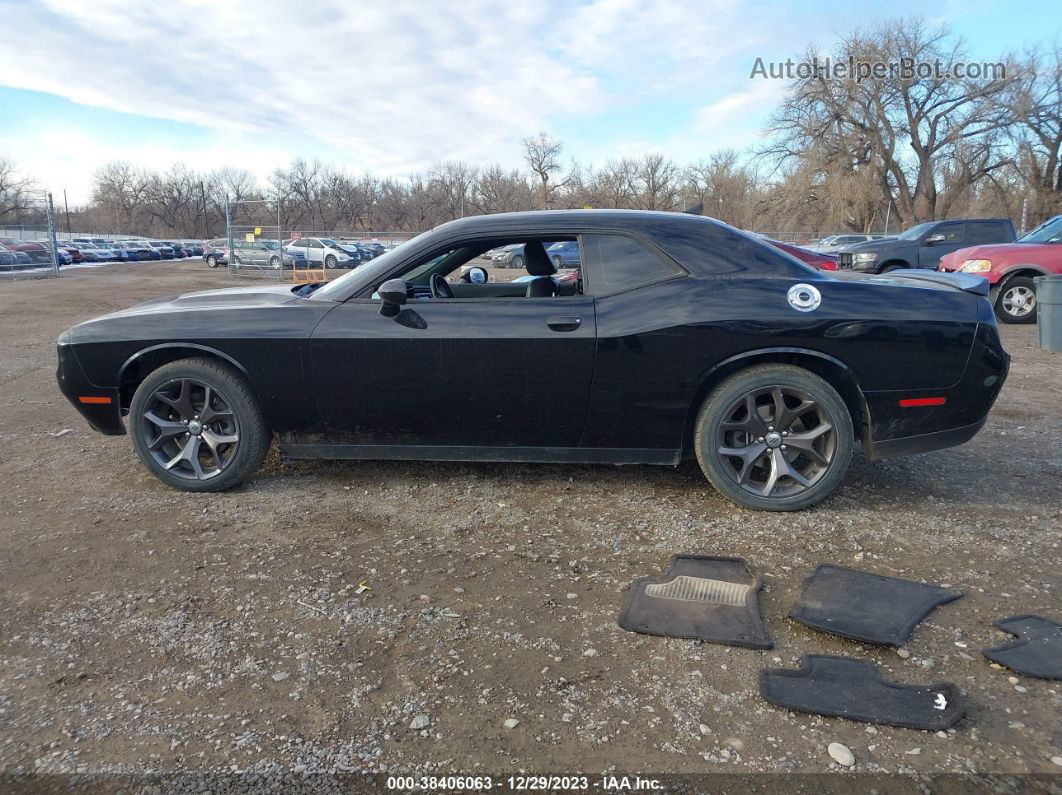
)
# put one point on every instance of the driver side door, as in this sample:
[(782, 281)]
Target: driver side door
[(458, 375)]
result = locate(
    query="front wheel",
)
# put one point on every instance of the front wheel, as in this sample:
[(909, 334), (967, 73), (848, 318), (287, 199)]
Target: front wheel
[(1017, 301), (274, 262), (557, 262), (212, 261), (196, 426), (774, 437), (518, 262)]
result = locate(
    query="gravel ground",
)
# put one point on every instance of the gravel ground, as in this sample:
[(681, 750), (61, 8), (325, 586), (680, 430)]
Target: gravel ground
[(399, 617)]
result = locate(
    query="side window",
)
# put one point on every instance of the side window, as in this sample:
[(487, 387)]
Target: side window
[(952, 232), (617, 262), (991, 232), (316, 244)]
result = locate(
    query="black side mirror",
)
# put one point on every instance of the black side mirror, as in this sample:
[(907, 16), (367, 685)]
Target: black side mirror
[(477, 275), (393, 295)]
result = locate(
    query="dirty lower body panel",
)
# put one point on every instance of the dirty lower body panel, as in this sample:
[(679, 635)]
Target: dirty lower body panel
[(1038, 650), (853, 689), (864, 606), (705, 598)]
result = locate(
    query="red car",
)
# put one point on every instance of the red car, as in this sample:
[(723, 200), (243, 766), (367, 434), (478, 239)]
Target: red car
[(816, 259), (1011, 267), (75, 253)]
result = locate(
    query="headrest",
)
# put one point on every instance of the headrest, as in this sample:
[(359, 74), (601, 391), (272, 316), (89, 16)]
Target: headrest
[(537, 261)]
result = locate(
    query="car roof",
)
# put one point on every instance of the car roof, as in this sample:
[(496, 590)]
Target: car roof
[(561, 219)]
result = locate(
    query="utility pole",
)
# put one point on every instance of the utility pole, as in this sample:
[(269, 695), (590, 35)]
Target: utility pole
[(66, 206), (1024, 213)]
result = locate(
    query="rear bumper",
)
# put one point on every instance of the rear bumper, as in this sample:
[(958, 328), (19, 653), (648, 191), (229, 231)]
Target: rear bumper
[(926, 442)]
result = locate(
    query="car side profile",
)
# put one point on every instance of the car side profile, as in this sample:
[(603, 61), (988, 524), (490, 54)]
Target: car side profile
[(682, 338), (1011, 267), (923, 245), (321, 250)]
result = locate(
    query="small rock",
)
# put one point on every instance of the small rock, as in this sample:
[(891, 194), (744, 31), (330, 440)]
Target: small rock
[(280, 676), (512, 723), (841, 754), (1057, 760), (573, 596), (590, 653), (1021, 689), (420, 722), (913, 752), (704, 729), (1013, 680), (903, 653), (926, 663)]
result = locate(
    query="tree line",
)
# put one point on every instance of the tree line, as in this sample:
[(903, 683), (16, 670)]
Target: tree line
[(839, 155)]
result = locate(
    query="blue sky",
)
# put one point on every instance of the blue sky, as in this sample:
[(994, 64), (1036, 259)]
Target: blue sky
[(392, 87)]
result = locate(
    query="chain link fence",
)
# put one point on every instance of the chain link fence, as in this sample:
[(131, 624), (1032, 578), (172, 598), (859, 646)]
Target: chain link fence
[(29, 248)]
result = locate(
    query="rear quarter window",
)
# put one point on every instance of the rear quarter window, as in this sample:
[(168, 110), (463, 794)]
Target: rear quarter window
[(616, 262)]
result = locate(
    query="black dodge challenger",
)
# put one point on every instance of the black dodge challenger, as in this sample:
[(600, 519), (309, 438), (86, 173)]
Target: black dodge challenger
[(676, 336)]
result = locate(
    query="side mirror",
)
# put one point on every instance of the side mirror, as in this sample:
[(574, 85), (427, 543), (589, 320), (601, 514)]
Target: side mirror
[(393, 295), (932, 240), (477, 275)]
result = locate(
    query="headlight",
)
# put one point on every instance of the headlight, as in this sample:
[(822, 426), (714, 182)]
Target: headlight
[(976, 266), (866, 256)]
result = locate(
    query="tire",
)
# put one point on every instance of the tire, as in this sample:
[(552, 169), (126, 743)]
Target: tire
[(517, 262), (330, 261), (1016, 302), (821, 460), (212, 261), (892, 266), (274, 262), (225, 451), (557, 262)]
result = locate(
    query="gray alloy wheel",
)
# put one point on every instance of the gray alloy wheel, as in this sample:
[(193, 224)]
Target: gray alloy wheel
[(556, 262), (274, 262), (518, 261), (197, 427), (1017, 301), (212, 261), (774, 437), (330, 261)]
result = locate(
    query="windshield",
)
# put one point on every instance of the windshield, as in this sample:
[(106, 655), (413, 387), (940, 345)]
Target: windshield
[(375, 269), (916, 231), (329, 243), (1049, 231)]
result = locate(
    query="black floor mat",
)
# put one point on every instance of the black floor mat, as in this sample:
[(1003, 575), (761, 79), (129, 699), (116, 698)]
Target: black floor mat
[(1038, 650), (864, 606), (853, 689), (704, 598)]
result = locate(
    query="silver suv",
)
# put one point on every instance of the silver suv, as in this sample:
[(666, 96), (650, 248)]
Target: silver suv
[(322, 249)]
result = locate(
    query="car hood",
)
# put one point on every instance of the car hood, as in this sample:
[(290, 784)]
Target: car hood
[(1002, 253), (233, 297), (882, 244)]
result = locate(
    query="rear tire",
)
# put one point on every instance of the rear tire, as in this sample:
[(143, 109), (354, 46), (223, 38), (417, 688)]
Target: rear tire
[(755, 459), (557, 262), (212, 261), (274, 262), (1016, 302), (518, 262), (330, 261), (197, 426)]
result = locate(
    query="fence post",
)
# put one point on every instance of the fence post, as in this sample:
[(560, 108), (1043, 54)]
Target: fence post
[(228, 236), (51, 235)]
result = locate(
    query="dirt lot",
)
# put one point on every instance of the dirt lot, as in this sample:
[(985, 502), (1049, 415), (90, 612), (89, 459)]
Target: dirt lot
[(143, 629)]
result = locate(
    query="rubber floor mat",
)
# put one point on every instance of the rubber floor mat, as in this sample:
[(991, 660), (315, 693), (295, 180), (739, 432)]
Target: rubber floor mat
[(864, 606), (705, 598), (1038, 650), (848, 688)]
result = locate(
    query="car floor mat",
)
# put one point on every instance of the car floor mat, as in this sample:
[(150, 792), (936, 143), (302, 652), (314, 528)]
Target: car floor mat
[(707, 598), (864, 606), (1038, 650), (848, 688)]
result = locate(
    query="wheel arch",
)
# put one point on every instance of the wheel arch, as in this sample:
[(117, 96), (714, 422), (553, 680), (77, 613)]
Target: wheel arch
[(832, 370), (895, 262), (144, 362), (1025, 269)]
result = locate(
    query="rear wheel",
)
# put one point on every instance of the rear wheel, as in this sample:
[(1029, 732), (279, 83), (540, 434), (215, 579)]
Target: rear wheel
[(197, 426), (330, 261), (1016, 302), (518, 261), (774, 437), (274, 262), (556, 262)]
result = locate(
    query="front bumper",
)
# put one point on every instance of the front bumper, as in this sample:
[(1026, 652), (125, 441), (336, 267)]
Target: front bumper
[(98, 405)]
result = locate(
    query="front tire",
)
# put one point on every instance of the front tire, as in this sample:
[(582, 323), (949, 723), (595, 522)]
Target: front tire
[(197, 426), (774, 437), (557, 262), (1016, 302), (274, 262), (518, 261)]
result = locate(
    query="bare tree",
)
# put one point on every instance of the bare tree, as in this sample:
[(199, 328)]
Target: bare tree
[(542, 154)]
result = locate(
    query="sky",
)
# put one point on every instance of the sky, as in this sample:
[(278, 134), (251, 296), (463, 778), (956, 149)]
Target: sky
[(393, 87)]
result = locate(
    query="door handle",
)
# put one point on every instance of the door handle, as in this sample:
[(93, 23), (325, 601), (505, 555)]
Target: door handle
[(564, 323)]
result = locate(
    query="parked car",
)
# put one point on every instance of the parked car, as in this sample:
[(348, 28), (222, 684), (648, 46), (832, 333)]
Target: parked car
[(89, 252), (564, 254), (165, 250), (513, 256), (102, 251), (923, 245), (1011, 267), (140, 250), (817, 259), (214, 252), (62, 257), (265, 254), (73, 251), (685, 339), (36, 252), (14, 258), (356, 252), (321, 250), (837, 241)]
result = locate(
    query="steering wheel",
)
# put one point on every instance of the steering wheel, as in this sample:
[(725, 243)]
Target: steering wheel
[(440, 288)]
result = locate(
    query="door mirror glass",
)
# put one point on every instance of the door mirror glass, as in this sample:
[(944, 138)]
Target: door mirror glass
[(477, 275), (393, 295), (934, 239)]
